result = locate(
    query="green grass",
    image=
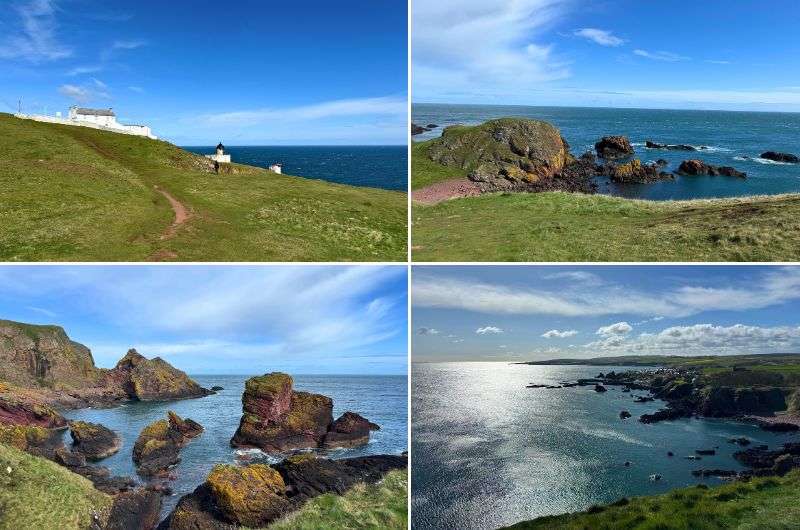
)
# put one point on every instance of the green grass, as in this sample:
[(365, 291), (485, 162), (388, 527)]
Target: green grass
[(761, 504), (79, 194), (40, 494), (382, 505), (576, 227)]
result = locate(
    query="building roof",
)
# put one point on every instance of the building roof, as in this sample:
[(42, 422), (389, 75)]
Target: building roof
[(220, 146), (94, 112)]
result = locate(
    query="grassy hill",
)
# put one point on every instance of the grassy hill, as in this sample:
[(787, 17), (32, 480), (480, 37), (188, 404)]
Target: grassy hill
[(558, 226), (764, 504), (37, 493), (79, 194), (382, 505)]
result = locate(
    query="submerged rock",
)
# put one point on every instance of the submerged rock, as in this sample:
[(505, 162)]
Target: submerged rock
[(698, 167), (93, 440), (158, 446), (671, 147), (780, 157), (276, 418), (613, 147)]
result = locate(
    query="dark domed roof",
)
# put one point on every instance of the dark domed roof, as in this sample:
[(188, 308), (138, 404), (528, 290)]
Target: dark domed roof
[(220, 146)]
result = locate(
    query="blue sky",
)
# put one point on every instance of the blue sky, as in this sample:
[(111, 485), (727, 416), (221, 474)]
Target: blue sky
[(709, 54), (248, 72), (223, 319), (544, 312)]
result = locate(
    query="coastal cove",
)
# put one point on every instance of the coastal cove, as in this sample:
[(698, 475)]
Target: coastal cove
[(722, 138), (381, 398), (382, 166), (482, 437)]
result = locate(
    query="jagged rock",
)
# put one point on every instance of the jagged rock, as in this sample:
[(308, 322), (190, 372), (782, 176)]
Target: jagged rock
[(349, 430), (722, 402), (103, 480), (698, 167), (252, 495), (153, 379), (93, 440), (613, 147), (634, 172), (68, 458), (135, 510), (158, 446), (780, 157)]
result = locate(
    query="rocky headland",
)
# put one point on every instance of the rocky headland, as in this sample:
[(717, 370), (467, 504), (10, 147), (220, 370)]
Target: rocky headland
[(277, 418)]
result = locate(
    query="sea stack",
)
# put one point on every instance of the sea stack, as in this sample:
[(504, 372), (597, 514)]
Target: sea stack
[(277, 418)]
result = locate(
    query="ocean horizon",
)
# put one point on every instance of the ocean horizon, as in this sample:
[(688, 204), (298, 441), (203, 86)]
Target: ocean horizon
[(373, 166), (725, 138)]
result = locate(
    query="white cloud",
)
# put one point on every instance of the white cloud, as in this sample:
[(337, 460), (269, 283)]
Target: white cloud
[(769, 289), (599, 36), (428, 331), (661, 56), (554, 333), (85, 93), (35, 39), (388, 105), (488, 329), (480, 46), (620, 328)]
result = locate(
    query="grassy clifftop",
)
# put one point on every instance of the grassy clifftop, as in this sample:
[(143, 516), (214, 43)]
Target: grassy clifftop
[(557, 226), (764, 504), (79, 194)]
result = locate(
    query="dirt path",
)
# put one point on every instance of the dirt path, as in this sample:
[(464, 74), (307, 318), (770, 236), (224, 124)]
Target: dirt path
[(447, 189), (181, 214)]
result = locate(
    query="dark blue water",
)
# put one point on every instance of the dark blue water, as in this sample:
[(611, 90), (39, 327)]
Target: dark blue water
[(381, 399), (373, 166), (730, 136), (488, 452)]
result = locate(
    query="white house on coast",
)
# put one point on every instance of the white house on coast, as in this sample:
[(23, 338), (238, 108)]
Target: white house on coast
[(219, 155), (104, 119)]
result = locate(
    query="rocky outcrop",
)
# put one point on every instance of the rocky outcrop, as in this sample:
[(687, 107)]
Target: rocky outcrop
[(765, 462), (614, 147), (276, 418), (671, 147), (159, 444), (509, 153), (18, 408), (350, 430), (419, 129), (257, 494), (93, 440), (780, 157), (726, 402), (153, 379), (139, 509), (634, 172), (698, 167)]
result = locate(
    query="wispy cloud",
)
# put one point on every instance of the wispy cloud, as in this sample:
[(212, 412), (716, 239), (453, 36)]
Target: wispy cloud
[(85, 93), (488, 330), (599, 36), (427, 331), (388, 105), (118, 45), (711, 61), (556, 334), (511, 46), (661, 56), (83, 70), (35, 39)]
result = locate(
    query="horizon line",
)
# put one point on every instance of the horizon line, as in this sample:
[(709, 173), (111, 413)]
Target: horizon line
[(604, 107)]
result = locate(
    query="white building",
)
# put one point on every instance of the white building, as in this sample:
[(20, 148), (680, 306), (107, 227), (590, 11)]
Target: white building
[(276, 168), (104, 119), (219, 155)]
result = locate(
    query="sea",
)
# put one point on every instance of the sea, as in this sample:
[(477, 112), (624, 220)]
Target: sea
[(487, 452), (381, 399), (732, 139), (384, 166)]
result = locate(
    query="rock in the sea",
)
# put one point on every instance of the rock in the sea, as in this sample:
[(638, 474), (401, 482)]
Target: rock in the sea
[(624, 414), (216, 388), (153, 379), (93, 440), (138, 509), (671, 147), (705, 452), (158, 446), (634, 172), (416, 129), (613, 147), (600, 388), (780, 157), (349, 430), (698, 167), (277, 418)]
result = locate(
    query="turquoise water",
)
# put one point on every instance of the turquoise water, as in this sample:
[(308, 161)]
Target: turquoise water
[(488, 452), (381, 399), (730, 136), (373, 166)]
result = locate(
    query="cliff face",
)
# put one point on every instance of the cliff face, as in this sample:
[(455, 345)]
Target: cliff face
[(44, 357)]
